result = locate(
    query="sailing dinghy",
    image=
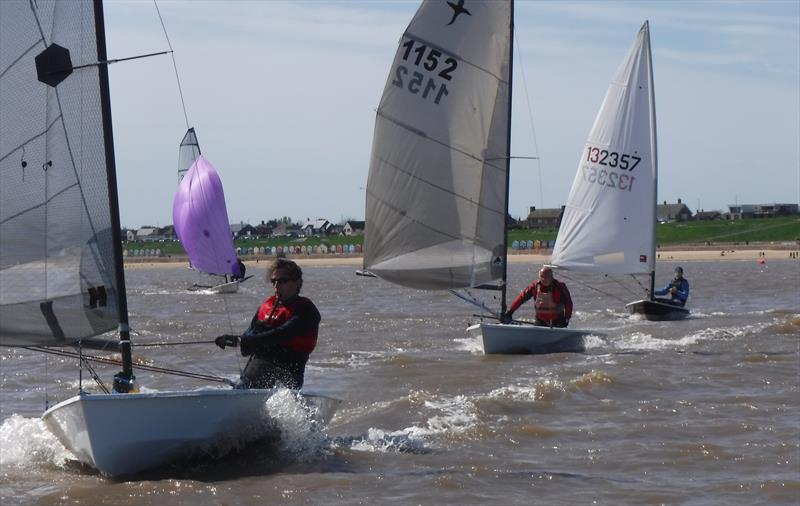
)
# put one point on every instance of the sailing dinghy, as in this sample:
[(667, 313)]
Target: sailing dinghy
[(609, 221), (61, 271), (201, 218), (437, 191)]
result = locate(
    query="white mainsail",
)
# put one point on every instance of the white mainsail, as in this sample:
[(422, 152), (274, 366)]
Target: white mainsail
[(609, 221), (436, 192)]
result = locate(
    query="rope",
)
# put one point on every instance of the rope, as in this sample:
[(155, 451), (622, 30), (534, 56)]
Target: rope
[(640, 283), (530, 118), (617, 281), (607, 294), (174, 64), (151, 345)]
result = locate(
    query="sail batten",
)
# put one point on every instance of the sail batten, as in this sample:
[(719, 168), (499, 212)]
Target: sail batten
[(609, 220), (435, 201)]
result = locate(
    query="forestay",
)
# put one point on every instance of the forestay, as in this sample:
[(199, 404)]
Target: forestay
[(609, 221), (201, 220), (57, 277), (436, 192)]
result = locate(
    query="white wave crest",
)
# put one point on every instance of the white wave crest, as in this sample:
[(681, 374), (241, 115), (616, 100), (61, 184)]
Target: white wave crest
[(454, 415), (642, 341), (381, 441), (470, 344), (26, 443)]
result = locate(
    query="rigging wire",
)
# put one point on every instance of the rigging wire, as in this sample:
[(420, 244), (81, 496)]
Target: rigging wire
[(145, 367), (530, 118), (88, 366), (174, 64), (186, 118)]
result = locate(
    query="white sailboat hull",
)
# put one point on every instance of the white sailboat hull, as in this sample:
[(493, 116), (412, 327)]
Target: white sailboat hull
[(519, 339), (230, 287), (122, 434)]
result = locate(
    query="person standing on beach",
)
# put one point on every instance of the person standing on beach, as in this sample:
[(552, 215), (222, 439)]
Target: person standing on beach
[(677, 288), (281, 335), (552, 301)]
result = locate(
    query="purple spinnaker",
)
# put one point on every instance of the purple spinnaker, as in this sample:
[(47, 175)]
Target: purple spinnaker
[(201, 220)]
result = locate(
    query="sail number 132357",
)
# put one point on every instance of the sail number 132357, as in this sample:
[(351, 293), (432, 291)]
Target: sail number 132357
[(608, 160)]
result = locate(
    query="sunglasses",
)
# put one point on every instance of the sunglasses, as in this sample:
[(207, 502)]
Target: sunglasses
[(279, 281)]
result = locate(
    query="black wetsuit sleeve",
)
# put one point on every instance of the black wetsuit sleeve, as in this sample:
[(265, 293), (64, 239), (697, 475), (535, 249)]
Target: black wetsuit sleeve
[(259, 338)]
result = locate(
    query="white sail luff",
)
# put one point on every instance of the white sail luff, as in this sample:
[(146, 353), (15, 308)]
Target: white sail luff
[(609, 224), (651, 264)]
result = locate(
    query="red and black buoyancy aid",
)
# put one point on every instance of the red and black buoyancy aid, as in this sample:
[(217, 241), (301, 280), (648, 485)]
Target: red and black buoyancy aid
[(550, 303), (547, 304), (273, 314)]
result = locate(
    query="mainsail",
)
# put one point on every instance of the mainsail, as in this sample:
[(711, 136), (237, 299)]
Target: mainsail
[(201, 219), (437, 186), (609, 221), (59, 278), (188, 151)]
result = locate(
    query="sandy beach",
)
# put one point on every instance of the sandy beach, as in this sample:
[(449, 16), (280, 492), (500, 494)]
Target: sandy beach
[(753, 254)]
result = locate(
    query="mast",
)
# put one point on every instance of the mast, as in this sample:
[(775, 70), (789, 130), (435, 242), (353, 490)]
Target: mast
[(123, 380), (654, 151), (504, 288)]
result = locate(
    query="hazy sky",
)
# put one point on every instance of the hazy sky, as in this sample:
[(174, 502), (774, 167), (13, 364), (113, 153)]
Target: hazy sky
[(283, 98)]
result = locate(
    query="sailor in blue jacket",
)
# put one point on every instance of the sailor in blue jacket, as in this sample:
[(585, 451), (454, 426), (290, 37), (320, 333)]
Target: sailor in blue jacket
[(677, 288)]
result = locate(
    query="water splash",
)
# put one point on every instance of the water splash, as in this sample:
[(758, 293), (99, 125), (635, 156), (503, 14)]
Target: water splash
[(300, 434), (469, 344), (27, 444), (593, 341)]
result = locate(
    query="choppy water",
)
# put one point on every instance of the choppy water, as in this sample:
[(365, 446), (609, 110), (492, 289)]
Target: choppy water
[(703, 411)]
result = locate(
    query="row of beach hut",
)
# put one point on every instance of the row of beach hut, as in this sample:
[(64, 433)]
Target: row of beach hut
[(322, 249), (537, 244)]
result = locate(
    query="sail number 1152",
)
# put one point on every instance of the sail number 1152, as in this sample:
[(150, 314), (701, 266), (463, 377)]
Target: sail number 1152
[(431, 65)]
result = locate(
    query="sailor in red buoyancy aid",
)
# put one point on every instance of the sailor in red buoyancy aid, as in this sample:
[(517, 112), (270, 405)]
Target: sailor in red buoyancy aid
[(282, 334), (552, 301)]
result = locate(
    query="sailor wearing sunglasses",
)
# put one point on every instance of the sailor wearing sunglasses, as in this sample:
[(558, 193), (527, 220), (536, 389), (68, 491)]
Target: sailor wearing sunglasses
[(282, 334)]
